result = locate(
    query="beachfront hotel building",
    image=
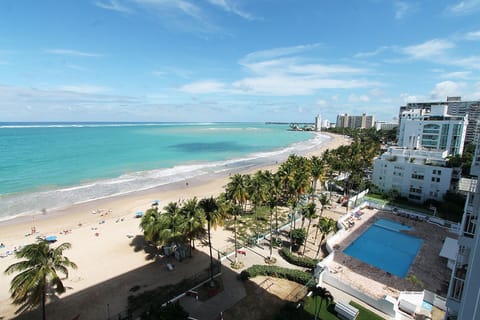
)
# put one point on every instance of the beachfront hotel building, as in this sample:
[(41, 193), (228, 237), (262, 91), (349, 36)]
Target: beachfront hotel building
[(455, 107), (355, 122), (432, 129), (417, 167), (384, 125), (418, 175), (463, 299)]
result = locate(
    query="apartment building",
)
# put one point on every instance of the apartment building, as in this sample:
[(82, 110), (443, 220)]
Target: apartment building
[(355, 122), (455, 107), (463, 300), (417, 167)]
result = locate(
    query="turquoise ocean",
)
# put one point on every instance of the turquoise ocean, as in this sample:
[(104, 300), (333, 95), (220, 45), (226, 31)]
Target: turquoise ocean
[(53, 165)]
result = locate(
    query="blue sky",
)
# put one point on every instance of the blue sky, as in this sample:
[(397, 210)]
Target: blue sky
[(232, 60)]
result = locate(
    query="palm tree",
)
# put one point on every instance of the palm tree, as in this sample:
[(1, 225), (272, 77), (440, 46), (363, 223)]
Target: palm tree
[(323, 294), (326, 226), (38, 272), (317, 171), (237, 189), (173, 226), (309, 212), (195, 221), (210, 208), (235, 210), (257, 194), (323, 199), (151, 226)]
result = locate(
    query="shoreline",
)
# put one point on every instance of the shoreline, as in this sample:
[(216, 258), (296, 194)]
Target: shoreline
[(104, 236)]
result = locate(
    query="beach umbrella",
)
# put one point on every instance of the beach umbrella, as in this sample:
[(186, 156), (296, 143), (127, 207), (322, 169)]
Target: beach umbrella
[(155, 202), (139, 214), (51, 238)]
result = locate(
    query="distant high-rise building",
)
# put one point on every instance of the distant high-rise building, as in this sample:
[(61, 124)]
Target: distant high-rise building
[(355, 122), (318, 123)]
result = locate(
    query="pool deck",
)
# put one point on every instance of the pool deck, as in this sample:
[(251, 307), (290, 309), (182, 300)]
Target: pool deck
[(428, 266)]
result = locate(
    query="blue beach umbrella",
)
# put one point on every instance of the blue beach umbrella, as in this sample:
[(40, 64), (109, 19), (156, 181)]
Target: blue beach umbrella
[(139, 214), (51, 238)]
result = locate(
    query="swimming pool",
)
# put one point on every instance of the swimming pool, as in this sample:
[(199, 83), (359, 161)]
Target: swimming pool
[(383, 246)]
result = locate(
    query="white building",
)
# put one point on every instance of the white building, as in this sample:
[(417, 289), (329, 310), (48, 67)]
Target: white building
[(456, 107), (417, 167), (318, 123), (463, 300), (418, 175), (383, 125), (432, 129)]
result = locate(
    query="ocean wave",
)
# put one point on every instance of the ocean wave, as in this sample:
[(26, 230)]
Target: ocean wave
[(96, 125), (14, 204)]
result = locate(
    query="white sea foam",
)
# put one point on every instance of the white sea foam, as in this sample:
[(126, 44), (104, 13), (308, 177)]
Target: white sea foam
[(14, 204), (96, 125)]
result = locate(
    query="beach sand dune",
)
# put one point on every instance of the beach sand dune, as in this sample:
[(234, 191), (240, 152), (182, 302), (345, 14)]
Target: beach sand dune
[(109, 264)]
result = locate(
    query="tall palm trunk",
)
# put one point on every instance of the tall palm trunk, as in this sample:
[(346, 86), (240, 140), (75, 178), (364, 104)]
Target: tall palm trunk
[(271, 232), (320, 245), (44, 301), (276, 219), (235, 237), (306, 239), (211, 255)]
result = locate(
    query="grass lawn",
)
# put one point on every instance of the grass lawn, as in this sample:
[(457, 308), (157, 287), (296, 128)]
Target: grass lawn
[(327, 312), (365, 314)]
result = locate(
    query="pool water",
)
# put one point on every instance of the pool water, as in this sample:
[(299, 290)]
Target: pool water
[(383, 246)]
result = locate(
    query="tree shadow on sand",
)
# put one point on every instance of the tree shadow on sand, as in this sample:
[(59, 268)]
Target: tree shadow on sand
[(140, 244)]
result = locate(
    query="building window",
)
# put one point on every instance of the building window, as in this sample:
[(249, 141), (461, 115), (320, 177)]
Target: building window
[(417, 176)]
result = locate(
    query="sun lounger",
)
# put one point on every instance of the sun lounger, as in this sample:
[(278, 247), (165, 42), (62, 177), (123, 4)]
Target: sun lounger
[(346, 311)]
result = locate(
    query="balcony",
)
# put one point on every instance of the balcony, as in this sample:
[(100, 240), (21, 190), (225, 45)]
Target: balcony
[(457, 289)]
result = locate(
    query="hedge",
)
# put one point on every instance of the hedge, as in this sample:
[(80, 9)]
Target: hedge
[(297, 276), (298, 260)]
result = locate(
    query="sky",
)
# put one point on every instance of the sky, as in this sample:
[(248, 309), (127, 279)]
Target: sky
[(233, 60)]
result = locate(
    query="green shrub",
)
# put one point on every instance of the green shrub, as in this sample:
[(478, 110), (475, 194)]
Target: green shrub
[(298, 260), (297, 276), (298, 238)]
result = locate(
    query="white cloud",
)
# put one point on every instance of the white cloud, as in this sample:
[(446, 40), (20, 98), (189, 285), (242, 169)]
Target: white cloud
[(158, 73), (68, 52), (113, 5), (408, 98), (445, 89), (464, 7), (457, 75), (401, 9), (471, 62), (286, 85), (281, 72), (474, 35), (277, 52), (371, 53), (90, 89), (202, 87), (321, 102), (358, 98), (183, 6), (232, 6), (429, 49)]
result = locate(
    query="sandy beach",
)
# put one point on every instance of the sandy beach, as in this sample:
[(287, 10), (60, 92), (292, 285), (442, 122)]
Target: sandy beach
[(101, 242)]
